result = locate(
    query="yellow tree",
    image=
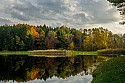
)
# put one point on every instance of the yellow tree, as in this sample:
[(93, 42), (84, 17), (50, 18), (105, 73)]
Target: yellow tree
[(71, 46)]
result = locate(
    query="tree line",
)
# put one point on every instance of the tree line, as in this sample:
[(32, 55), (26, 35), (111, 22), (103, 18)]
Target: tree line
[(27, 37)]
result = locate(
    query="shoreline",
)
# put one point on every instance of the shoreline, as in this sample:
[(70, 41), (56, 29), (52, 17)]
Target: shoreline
[(48, 52)]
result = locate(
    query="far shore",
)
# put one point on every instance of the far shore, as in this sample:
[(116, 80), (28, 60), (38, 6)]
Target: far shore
[(48, 52), (110, 52)]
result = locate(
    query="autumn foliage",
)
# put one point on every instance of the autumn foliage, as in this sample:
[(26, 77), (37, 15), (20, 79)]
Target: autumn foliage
[(28, 37)]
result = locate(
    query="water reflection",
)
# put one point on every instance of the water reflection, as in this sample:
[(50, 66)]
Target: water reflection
[(22, 68)]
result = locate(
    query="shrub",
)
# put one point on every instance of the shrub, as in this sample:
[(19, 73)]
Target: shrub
[(111, 71), (111, 51)]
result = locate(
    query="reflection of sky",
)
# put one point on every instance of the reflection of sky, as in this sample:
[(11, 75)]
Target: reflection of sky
[(73, 79)]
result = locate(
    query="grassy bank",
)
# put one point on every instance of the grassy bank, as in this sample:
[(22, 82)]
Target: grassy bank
[(66, 52), (84, 53), (111, 52), (47, 52), (14, 52), (111, 71)]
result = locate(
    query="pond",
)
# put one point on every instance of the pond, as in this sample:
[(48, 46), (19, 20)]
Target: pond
[(37, 69)]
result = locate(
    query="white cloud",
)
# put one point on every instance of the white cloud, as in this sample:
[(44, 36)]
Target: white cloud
[(72, 8), (1, 6), (66, 1), (5, 21)]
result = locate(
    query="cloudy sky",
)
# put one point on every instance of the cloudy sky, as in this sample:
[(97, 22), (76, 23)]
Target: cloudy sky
[(72, 13)]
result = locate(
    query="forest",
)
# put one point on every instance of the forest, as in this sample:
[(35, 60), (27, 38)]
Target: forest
[(23, 37)]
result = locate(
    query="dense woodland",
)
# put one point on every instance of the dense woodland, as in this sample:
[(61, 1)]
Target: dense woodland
[(27, 37)]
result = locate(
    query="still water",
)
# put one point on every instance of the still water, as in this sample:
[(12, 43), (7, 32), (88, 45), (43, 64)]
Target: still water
[(36, 69)]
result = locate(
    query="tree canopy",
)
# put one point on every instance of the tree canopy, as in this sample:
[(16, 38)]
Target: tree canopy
[(28, 37)]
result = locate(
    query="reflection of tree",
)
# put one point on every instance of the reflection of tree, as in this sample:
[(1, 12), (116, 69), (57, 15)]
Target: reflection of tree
[(24, 68), (120, 4)]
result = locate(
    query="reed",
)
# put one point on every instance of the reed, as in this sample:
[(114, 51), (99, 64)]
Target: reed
[(111, 52)]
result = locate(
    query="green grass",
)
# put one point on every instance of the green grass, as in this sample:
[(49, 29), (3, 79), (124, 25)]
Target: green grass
[(73, 53), (111, 71), (14, 52), (84, 53)]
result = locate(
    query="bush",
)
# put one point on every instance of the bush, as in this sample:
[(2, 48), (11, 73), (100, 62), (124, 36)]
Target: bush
[(111, 51), (111, 71)]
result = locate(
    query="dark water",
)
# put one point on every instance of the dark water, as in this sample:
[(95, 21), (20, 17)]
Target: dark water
[(36, 69)]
